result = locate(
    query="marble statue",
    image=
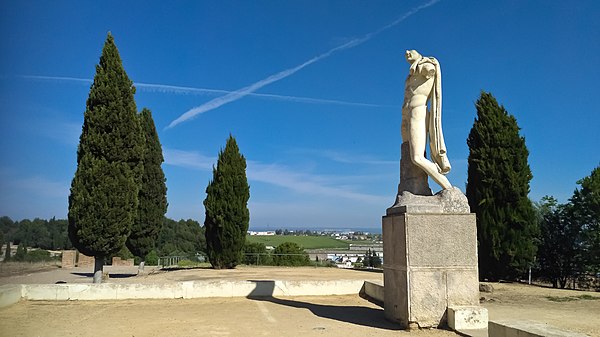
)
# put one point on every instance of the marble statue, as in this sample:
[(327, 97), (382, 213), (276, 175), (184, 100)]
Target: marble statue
[(423, 85)]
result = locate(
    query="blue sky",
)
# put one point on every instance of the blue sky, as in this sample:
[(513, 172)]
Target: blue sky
[(310, 89)]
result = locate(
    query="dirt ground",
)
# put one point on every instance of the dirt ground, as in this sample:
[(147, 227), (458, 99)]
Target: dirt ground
[(572, 310), (346, 316)]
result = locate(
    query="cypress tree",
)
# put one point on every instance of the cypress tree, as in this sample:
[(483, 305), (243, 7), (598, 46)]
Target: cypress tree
[(497, 189), (585, 212), (104, 191), (227, 215), (7, 252), (152, 196)]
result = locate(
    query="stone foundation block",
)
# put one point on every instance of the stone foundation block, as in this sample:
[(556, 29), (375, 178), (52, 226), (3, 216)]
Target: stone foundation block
[(467, 318)]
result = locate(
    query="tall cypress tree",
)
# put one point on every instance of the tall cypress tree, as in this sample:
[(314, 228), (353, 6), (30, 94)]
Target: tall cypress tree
[(153, 193), (104, 192), (227, 215), (585, 212), (497, 189)]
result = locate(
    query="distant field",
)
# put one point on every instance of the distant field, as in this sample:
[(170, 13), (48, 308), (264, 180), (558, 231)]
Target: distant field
[(307, 242)]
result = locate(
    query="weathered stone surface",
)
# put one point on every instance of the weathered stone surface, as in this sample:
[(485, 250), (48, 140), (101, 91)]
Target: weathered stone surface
[(467, 318), (528, 329), (68, 258), (450, 201), (441, 240), (430, 264), (412, 178), (486, 288)]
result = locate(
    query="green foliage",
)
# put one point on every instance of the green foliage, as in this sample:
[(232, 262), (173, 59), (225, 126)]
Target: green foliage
[(183, 237), (151, 258), (21, 253), (8, 227), (152, 195), (38, 255), (586, 214), (104, 192), (290, 254), (7, 256), (227, 215), (308, 242), (45, 234), (371, 259), (255, 253), (497, 189), (559, 252), (33, 233)]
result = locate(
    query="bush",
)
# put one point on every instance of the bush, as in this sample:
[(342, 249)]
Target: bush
[(256, 254), (152, 258), (38, 255), (290, 254)]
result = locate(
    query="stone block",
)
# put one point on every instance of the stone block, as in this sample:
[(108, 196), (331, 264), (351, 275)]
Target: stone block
[(430, 264), (10, 294), (68, 258), (85, 261), (118, 262), (467, 318), (427, 289), (441, 240), (527, 329)]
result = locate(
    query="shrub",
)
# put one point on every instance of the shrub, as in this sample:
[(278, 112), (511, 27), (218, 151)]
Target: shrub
[(290, 254)]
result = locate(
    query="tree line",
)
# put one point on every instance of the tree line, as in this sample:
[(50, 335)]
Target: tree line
[(560, 242), (175, 238)]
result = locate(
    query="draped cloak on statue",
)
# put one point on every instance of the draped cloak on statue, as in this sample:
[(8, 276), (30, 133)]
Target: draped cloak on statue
[(434, 116)]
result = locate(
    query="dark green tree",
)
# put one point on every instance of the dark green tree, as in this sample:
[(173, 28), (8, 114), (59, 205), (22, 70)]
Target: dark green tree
[(34, 233), (255, 253), (104, 192), (152, 196), (559, 252), (181, 238), (21, 252), (586, 214), (497, 189), (7, 252), (290, 254), (226, 204)]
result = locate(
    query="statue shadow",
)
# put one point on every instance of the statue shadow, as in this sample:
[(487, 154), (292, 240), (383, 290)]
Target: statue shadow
[(358, 315)]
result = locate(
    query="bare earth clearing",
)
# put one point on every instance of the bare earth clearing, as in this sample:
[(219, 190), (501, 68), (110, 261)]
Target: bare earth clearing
[(346, 316)]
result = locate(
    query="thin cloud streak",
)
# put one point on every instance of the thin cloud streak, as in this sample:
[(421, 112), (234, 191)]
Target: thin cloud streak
[(188, 159), (165, 88), (274, 175), (236, 95)]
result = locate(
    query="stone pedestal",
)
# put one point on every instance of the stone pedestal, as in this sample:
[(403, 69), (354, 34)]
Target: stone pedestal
[(430, 264)]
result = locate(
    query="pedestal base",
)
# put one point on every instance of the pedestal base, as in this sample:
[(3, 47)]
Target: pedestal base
[(430, 264)]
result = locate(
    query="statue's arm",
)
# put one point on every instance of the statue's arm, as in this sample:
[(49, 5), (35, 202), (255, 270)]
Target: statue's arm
[(427, 70)]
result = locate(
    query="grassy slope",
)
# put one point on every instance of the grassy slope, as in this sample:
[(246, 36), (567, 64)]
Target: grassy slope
[(308, 242)]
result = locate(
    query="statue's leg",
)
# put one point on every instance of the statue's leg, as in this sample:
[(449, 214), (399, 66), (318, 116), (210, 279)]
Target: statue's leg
[(418, 141)]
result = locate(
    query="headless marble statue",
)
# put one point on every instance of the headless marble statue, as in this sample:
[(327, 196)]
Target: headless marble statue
[(423, 87)]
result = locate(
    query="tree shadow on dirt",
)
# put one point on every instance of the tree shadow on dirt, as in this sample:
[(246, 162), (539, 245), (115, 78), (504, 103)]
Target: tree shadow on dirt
[(358, 315)]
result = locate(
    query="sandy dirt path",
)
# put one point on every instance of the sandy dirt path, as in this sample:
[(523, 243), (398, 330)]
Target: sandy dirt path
[(348, 316)]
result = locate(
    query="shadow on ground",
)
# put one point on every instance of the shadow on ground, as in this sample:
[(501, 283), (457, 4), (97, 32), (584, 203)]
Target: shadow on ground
[(110, 275), (358, 315)]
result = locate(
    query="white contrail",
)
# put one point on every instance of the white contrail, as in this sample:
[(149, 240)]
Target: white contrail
[(165, 88), (234, 96)]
